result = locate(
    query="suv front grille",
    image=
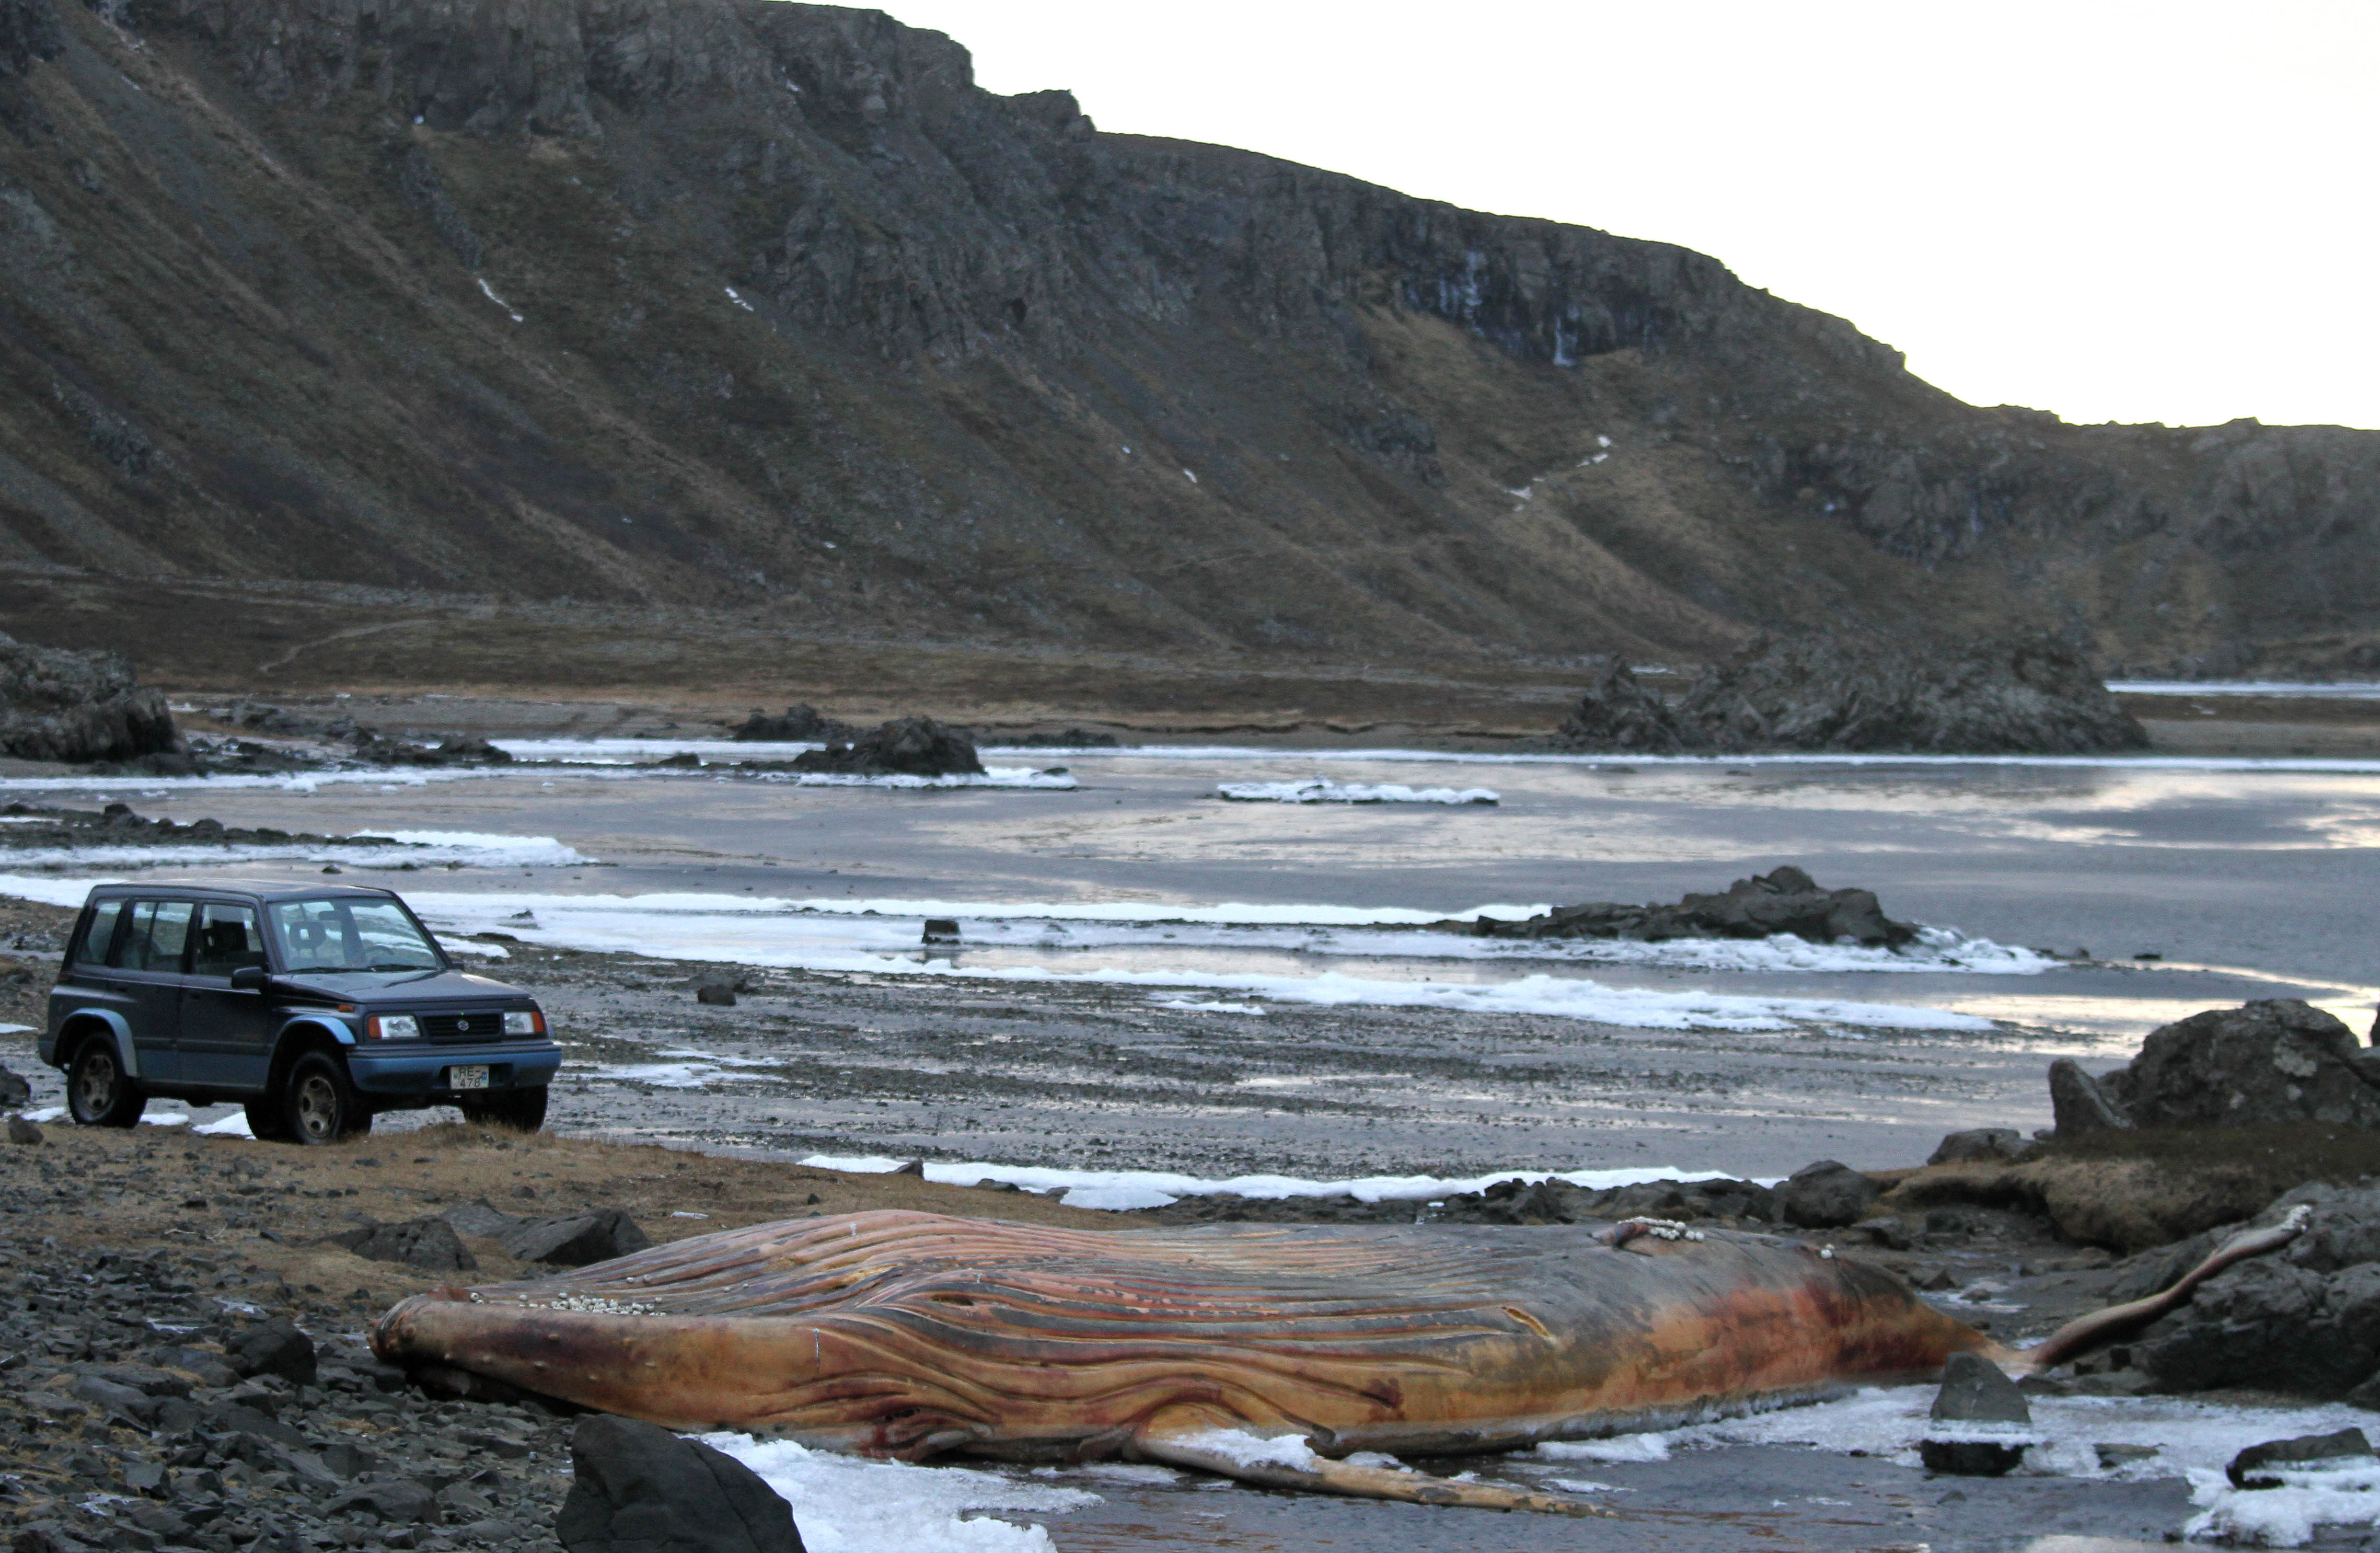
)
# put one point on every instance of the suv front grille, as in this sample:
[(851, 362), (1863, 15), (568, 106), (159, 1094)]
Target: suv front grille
[(479, 1025)]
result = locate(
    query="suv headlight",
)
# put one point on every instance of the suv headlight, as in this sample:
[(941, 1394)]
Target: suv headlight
[(526, 1022), (392, 1027)]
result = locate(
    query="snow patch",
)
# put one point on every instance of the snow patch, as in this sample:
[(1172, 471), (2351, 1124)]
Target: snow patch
[(231, 1127), (845, 1505), (1244, 1449), (1122, 1191), (2289, 1516), (1619, 1447)]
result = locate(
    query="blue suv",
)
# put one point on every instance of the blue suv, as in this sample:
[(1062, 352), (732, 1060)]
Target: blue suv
[(313, 1006)]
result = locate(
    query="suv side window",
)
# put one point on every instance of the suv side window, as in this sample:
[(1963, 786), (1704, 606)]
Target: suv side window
[(93, 947), (155, 942), (228, 939)]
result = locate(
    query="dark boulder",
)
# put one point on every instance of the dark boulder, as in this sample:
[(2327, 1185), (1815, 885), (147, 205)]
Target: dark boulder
[(2275, 1062), (1979, 1144), (1618, 713), (1977, 1400), (2260, 1467), (637, 1488), (2031, 696), (1558, 1202), (2306, 1321), (1783, 901), (375, 748), (906, 746), (576, 1240), (81, 707), (15, 1089), (22, 1131), (1826, 1195), (478, 1217), (801, 723), (427, 1243), (2077, 1106), (275, 1347)]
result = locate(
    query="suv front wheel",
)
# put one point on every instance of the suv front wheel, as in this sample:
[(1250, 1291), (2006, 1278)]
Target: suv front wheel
[(99, 1092), (318, 1104)]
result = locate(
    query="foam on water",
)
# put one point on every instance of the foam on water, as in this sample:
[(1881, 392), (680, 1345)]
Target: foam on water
[(1124, 1190), (422, 848), (1320, 790), (845, 1505)]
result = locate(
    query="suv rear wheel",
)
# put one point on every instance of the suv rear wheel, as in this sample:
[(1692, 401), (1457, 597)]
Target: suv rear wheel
[(99, 1092), (318, 1104), (524, 1109)]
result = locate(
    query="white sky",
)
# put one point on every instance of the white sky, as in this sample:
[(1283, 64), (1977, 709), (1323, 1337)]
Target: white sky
[(2121, 212)]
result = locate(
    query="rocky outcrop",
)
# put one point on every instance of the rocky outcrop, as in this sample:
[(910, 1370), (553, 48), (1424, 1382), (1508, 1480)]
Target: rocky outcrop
[(1783, 901), (2278, 1060), (1617, 712), (906, 746), (1826, 1195), (2306, 1320), (78, 707), (1861, 694), (801, 722), (867, 348), (1558, 1202)]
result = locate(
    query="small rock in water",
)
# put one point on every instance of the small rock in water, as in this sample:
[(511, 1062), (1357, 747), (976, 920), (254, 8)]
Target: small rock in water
[(941, 929), (1976, 1400), (2259, 1466), (2114, 1456), (637, 1488)]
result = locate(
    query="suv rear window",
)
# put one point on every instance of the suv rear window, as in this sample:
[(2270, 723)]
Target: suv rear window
[(91, 948), (155, 942)]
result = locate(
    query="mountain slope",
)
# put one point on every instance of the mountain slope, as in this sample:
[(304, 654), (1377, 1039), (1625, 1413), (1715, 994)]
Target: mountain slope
[(745, 303)]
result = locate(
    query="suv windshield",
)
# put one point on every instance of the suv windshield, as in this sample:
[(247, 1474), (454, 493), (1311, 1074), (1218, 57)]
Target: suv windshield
[(350, 935)]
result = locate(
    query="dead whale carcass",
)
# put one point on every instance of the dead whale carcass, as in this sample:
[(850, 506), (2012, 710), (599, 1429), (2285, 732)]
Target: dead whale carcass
[(1262, 1353)]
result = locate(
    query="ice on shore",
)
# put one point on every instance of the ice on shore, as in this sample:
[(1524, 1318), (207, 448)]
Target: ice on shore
[(1124, 1190), (1321, 790), (421, 848), (845, 1504)]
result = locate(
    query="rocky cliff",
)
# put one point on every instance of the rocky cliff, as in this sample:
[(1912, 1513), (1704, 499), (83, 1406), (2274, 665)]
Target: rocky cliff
[(767, 304)]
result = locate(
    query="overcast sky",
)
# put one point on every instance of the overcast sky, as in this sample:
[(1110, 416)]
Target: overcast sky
[(2115, 212)]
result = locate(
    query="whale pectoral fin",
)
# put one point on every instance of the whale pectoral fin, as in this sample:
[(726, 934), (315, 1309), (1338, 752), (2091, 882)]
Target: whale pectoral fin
[(1287, 1462)]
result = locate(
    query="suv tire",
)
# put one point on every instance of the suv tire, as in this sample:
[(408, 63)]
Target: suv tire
[(99, 1092), (318, 1104), (523, 1109)]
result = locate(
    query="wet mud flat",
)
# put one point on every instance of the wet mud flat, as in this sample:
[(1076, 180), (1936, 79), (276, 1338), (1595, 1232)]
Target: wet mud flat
[(1101, 1077)]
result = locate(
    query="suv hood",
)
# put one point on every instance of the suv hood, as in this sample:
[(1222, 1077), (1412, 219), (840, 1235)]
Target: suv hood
[(401, 989)]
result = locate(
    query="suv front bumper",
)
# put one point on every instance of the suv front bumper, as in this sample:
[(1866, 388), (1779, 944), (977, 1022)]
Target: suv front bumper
[(414, 1070)]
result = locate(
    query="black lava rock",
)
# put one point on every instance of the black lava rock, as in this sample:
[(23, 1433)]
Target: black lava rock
[(2256, 1466), (575, 1240), (639, 1488), (273, 1348), (15, 1089), (427, 1243), (2272, 1062), (907, 745), (800, 723), (1783, 901), (1975, 1392), (1978, 1145), (1825, 1195), (718, 994)]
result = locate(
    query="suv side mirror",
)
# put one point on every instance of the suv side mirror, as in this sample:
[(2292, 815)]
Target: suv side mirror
[(248, 978)]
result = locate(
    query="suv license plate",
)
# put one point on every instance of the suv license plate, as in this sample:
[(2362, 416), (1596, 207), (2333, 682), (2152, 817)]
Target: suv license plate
[(467, 1078)]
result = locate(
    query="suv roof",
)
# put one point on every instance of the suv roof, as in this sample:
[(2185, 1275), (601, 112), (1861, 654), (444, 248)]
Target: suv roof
[(260, 889)]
